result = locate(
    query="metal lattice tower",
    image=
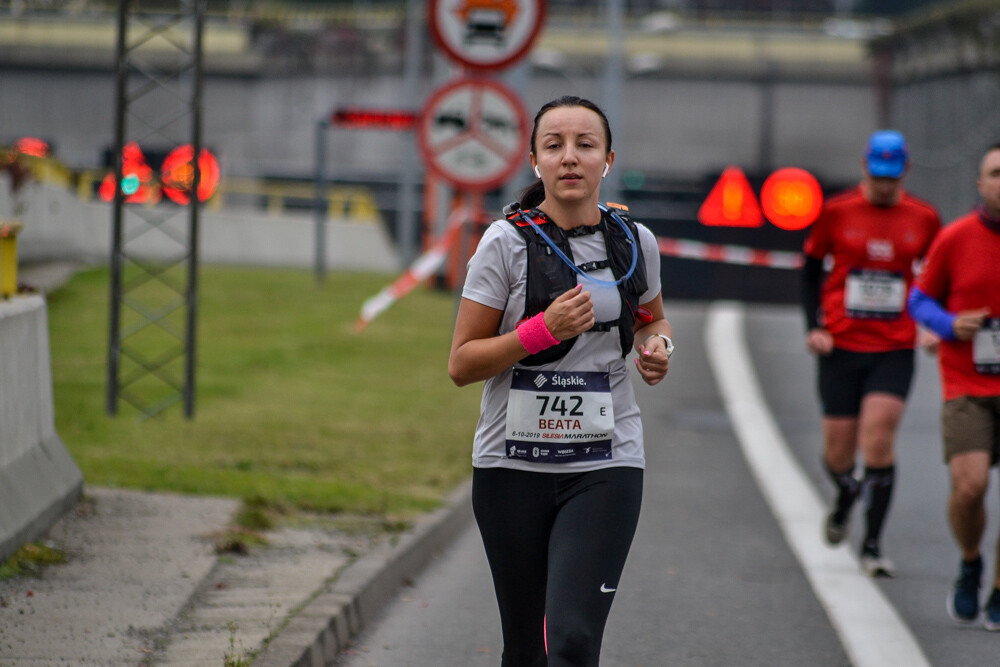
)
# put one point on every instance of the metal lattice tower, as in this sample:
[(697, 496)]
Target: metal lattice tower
[(154, 259)]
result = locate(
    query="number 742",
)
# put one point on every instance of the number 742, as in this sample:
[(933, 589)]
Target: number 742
[(568, 406)]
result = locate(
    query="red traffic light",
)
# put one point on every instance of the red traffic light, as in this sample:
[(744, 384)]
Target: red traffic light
[(791, 198), (137, 178), (177, 174)]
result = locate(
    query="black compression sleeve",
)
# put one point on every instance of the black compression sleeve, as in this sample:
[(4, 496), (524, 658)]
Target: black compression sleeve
[(812, 274)]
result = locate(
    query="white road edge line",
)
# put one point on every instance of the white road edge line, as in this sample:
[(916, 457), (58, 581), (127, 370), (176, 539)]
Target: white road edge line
[(869, 627)]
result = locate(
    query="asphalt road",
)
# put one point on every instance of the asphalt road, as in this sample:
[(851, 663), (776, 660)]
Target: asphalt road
[(711, 578)]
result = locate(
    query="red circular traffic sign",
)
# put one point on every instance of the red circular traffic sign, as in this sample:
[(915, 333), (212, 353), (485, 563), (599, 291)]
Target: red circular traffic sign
[(485, 34), (473, 133)]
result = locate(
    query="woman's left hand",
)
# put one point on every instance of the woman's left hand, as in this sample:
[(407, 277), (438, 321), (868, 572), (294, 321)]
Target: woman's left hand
[(652, 362)]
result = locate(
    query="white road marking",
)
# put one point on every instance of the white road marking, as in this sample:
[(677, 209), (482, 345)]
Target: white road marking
[(869, 627)]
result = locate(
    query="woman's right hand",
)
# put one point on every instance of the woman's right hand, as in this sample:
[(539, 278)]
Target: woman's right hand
[(570, 314)]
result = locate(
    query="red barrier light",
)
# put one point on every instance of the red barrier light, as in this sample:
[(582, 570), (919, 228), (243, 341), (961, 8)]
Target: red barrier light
[(374, 119), (731, 202), (791, 198)]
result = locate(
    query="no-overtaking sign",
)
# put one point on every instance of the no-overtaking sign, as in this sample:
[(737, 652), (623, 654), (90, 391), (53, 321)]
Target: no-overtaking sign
[(474, 133)]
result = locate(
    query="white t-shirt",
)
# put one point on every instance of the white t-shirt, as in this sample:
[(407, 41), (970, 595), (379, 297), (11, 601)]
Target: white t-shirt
[(497, 278)]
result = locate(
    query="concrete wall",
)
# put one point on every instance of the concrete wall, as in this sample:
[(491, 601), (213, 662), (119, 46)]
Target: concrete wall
[(39, 480)]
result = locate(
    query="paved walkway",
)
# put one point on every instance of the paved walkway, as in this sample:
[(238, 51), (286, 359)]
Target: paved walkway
[(144, 585)]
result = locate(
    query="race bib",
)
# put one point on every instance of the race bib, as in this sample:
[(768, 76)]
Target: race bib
[(559, 416), (986, 348), (871, 294)]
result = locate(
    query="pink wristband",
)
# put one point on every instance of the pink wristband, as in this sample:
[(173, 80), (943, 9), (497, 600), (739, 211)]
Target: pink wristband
[(534, 335)]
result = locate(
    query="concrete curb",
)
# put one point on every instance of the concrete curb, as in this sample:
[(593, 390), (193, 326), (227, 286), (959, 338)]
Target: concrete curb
[(325, 626)]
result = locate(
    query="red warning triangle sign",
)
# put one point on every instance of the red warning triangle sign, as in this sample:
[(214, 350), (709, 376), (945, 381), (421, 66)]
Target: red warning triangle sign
[(731, 202)]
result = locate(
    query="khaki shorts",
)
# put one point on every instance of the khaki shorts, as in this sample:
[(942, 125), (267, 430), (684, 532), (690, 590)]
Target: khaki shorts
[(971, 424)]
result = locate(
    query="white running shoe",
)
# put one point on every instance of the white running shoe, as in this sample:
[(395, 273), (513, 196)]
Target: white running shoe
[(874, 564)]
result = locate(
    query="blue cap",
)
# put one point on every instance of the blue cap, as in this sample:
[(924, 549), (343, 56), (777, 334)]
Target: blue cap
[(887, 154)]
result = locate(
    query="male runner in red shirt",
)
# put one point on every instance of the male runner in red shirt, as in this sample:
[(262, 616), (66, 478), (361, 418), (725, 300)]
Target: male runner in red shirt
[(958, 298), (870, 237)]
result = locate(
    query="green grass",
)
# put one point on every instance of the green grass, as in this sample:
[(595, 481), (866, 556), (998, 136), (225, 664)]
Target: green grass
[(293, 407)]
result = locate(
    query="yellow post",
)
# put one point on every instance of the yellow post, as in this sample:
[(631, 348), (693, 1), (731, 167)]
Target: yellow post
[(8, 256)]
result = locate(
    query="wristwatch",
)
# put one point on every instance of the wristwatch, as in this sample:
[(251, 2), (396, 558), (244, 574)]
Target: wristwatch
[(666, 339)]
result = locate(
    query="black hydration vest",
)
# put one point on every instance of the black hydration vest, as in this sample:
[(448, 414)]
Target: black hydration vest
[(548, 275)]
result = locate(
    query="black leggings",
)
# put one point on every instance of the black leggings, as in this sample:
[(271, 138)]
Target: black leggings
[(556, 544)]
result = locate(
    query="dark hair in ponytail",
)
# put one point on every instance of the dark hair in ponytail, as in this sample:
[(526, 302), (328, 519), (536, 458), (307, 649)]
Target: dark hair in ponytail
[(534, 194)]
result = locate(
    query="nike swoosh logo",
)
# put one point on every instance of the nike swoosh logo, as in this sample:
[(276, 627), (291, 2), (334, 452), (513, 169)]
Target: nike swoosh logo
[(605, 589)]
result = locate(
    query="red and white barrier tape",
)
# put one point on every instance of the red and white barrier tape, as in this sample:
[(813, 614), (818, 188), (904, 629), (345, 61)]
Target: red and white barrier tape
[(729, 254), (434, 257), (421, 269)]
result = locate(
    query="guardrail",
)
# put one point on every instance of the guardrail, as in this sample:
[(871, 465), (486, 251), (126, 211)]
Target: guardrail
[(353, 203)]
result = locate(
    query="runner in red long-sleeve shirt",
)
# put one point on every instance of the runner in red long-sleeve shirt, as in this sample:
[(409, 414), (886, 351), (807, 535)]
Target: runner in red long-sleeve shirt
[(867, 241)]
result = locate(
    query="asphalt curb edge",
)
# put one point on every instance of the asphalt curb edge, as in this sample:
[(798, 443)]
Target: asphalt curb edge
[(325, 626)]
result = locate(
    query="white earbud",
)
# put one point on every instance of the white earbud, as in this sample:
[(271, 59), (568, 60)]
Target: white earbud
[(607, 168), (537, 173)]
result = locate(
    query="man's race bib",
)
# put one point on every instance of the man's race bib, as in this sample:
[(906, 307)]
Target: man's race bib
[(871, 294), (558, 416), (986, 348)]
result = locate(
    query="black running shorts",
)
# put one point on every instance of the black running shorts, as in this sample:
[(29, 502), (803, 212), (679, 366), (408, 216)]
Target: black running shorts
[(846, 377)]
